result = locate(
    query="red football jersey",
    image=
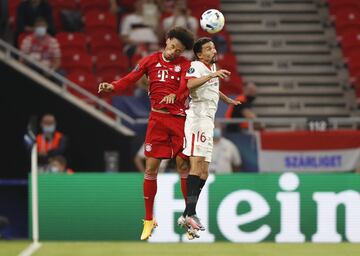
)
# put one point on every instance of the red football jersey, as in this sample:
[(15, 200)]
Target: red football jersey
[(165, 77)]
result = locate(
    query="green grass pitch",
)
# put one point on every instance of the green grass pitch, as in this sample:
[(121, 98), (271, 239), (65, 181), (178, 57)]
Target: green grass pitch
[(197, 249)]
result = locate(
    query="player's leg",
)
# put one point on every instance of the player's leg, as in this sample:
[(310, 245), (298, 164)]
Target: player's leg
[(200, 149), (183, 167), (150, 189), (177, 142), (156, 147), (197, 165)]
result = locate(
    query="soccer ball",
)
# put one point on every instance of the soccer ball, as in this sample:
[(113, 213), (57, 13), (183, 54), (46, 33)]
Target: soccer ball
[(212, 21)]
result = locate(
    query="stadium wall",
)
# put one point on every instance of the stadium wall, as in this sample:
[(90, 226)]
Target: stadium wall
[(244, 208)]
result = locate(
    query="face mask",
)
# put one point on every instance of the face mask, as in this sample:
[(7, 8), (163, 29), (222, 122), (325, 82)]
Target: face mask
[(40, 31), (217, 133), (54, 169), (48, 128), (250, 98)]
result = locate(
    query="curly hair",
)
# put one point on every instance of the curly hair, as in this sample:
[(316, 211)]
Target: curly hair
[(183, 35)]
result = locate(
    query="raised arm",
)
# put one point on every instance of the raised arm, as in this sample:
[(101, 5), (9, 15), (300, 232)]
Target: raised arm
[(194, 83), (126, 82)]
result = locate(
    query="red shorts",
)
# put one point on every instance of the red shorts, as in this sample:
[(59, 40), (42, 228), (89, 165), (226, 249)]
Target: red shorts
[(164, 136)]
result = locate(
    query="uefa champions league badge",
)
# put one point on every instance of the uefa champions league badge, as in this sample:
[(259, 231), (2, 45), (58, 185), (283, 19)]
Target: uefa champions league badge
[(177, 68), (191, 70), (148, 147)]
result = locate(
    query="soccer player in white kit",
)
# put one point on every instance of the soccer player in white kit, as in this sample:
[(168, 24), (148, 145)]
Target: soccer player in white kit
[(203, 84)]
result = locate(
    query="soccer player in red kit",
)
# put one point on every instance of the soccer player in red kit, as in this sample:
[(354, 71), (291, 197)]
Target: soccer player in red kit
[(165, 132)]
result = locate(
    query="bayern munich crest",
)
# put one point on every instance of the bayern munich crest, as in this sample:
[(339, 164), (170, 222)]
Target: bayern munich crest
[(177, 68), (148, 147)]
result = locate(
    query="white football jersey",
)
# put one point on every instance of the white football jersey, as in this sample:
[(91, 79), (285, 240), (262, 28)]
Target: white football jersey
[(204, 99)]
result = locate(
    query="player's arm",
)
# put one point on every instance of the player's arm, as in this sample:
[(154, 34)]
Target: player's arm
[(194, 83), (126, 82), (228, 100)]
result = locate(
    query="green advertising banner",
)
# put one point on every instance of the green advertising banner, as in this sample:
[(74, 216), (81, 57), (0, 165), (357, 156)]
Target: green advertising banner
[(238, 207)]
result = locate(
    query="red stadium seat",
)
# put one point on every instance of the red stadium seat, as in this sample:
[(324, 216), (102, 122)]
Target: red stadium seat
[(345, 17), (197, 7), (100, 42), (335, 5), (349, 41), (353, 61), (12, 9), (115, 61), (94, 5), (227, 61), (100, 21), (348, 30), (85, 80), (232, 84), (76, 41), (73, 60), (108, 76)]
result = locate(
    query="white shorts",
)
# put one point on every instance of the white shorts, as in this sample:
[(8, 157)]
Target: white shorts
[(199, 137)]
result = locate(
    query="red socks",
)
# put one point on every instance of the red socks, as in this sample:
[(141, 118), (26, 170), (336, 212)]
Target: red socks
[(183, 186), (150, 188)]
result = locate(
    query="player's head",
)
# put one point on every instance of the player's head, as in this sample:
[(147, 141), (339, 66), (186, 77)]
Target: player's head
[(205, 51), (178, 40)]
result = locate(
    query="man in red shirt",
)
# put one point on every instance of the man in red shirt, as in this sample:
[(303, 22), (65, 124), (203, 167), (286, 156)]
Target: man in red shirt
[(165, 133)]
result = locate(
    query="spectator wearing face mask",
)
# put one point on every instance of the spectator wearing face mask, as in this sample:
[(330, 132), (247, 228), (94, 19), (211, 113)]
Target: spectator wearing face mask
[(27, 14), (225, 156), (42, 47), (50, 142), (58, 164), (244, 110)]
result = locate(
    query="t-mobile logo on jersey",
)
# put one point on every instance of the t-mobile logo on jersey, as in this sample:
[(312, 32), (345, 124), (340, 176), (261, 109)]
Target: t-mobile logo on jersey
[(162, 74)]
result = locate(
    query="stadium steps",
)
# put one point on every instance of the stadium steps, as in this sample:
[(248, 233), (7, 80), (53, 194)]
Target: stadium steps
[(289, 50)]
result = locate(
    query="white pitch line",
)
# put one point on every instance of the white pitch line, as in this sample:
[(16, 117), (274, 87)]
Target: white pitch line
[(30, 249)]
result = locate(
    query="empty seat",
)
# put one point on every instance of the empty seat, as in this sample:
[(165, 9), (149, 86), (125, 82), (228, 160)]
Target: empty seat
[(115, 61), (232, 84), (94, 5), (227, 61), (345, 17), (12, 9), (109, 76), (100, 42), (73, 60), (335, 5), (353, 61), (85, 80), (349, 41), (100, 21), (75, 41)]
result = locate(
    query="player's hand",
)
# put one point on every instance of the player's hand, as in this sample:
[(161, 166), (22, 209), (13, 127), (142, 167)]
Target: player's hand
[(169, 99), (222, 73), (105, 87), (234, 102)]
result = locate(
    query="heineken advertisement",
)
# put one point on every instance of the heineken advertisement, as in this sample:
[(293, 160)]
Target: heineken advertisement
[(242, 208)]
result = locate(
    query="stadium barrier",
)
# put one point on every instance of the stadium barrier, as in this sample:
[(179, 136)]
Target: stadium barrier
[(243, 208)]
